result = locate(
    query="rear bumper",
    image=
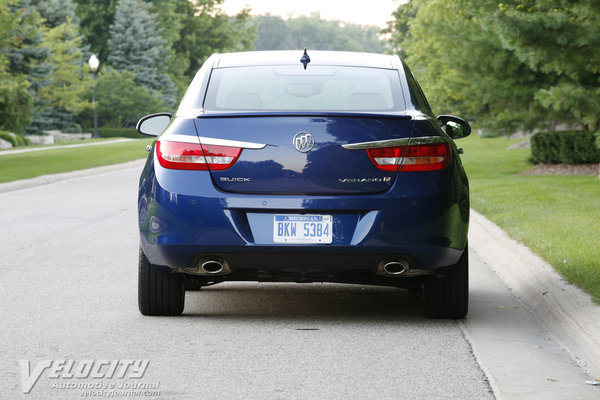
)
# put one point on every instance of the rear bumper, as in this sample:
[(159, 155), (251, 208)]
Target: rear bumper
[(423, 219), (305, 258)]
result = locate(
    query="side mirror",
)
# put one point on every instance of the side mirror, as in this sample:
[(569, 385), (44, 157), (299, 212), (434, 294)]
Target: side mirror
[(153, 124), (454, 127)]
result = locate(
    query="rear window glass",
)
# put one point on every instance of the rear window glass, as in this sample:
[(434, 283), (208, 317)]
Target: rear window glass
[(314, 89)]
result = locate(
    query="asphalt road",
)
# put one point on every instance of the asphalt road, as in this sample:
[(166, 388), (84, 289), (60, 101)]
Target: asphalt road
[(70, 327)]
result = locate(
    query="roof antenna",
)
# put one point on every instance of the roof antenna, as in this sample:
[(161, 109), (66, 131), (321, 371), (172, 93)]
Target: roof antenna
[(305, 59)]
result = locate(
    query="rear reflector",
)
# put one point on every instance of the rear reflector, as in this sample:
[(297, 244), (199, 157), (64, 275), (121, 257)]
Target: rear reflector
[(423, 157), (191, 156)]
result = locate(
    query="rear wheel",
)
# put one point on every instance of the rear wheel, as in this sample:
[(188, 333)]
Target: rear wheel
[(159, 293), (448, 296)]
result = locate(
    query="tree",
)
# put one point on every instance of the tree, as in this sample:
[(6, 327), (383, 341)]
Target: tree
[(398, 29), (275, 33), (272, 33), (192, 30), (204, 29), (16, 102), (121, 100), (56, 12), (23, 66), (59, 98), (557, 38), (509, 65), (69, 77), (136, 45), (95, 18)]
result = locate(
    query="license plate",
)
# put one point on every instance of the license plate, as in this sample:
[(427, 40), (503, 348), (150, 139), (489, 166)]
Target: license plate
[(303, 229)]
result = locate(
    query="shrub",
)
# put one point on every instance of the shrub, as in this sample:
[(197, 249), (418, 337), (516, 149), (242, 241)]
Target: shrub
[(8, 137), (571, 147), (16, 140), (118, 132)]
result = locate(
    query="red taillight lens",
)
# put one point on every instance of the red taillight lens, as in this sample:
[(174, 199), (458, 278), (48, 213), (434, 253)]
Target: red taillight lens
[(424, 157), (387, 158), (191, 156)]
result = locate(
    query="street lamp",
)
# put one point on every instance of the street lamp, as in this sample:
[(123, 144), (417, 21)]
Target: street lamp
[(94, 63)]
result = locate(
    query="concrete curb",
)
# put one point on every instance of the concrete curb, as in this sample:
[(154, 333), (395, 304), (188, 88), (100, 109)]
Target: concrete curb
[(562, 308), (48, 179)]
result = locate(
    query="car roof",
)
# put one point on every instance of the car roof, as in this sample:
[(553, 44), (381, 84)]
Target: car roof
[(292, 57)]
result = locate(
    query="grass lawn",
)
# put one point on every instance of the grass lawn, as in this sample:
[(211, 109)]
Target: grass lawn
[(64, 159), (558, 217)]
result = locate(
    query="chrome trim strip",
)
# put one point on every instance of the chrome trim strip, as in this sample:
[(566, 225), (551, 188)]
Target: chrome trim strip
[(394, 142), (180, 138), (232, 143), (213, 141)]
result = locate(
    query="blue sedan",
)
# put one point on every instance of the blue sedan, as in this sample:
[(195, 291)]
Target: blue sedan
[(304, 167)]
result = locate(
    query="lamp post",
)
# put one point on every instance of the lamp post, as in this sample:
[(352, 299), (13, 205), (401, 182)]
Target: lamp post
[(94, 63)]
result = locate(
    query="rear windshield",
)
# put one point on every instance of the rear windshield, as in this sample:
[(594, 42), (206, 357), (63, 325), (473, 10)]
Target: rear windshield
[(295, 89)]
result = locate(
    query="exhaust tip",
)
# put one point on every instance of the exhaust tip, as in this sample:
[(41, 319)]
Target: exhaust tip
[(212, 267), (395, 267), (209, 265)]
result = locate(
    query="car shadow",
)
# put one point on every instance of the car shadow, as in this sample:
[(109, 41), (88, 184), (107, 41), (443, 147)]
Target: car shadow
[(313, 302)]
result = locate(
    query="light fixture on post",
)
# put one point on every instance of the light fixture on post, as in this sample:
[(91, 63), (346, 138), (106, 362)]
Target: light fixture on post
[(94, 64)]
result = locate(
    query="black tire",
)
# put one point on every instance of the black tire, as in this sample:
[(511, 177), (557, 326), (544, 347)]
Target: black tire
[(159, 293), (448, 297)]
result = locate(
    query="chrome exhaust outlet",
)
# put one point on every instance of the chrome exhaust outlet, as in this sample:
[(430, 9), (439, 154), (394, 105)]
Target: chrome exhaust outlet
[(211, 265), (397, 267)]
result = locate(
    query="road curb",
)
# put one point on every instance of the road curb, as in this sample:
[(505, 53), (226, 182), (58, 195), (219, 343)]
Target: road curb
[(562, 308), (48, 179)]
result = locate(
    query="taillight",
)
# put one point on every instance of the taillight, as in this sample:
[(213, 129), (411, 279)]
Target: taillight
[(422, 157), (192, 156)]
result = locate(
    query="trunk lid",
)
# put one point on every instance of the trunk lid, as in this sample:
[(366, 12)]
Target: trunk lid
[(303, 153)]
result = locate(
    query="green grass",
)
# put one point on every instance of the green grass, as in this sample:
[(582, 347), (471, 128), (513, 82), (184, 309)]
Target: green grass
[(558, 217), (55, 160)]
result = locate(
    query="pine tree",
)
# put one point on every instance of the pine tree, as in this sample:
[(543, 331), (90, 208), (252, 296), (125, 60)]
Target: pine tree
[(28, 55), (56, 12), (136, 45), (59, 99)]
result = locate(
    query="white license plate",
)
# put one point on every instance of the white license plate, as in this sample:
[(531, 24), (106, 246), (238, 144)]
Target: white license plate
[(303, 229)]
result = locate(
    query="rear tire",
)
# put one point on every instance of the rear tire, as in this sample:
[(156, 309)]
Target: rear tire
[(448, 297), (159, 293)]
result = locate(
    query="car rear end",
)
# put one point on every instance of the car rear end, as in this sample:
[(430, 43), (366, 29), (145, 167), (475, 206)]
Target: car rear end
[(329, 173)]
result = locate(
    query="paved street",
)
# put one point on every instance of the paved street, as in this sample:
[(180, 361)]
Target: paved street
[(68, 291)]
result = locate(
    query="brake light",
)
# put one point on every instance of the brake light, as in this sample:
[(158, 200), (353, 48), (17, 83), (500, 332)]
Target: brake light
[(423, 157), (192, 156)]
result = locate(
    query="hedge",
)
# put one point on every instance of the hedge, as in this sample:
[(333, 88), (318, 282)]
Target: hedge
[(118, 132), (571, 147)]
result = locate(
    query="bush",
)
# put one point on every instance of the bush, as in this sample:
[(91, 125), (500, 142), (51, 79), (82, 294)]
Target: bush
[(118, 132), (571, 147), (16, 140), (8, 137)]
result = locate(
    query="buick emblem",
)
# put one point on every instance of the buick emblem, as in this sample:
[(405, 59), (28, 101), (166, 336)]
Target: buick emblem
[(303, 142)]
